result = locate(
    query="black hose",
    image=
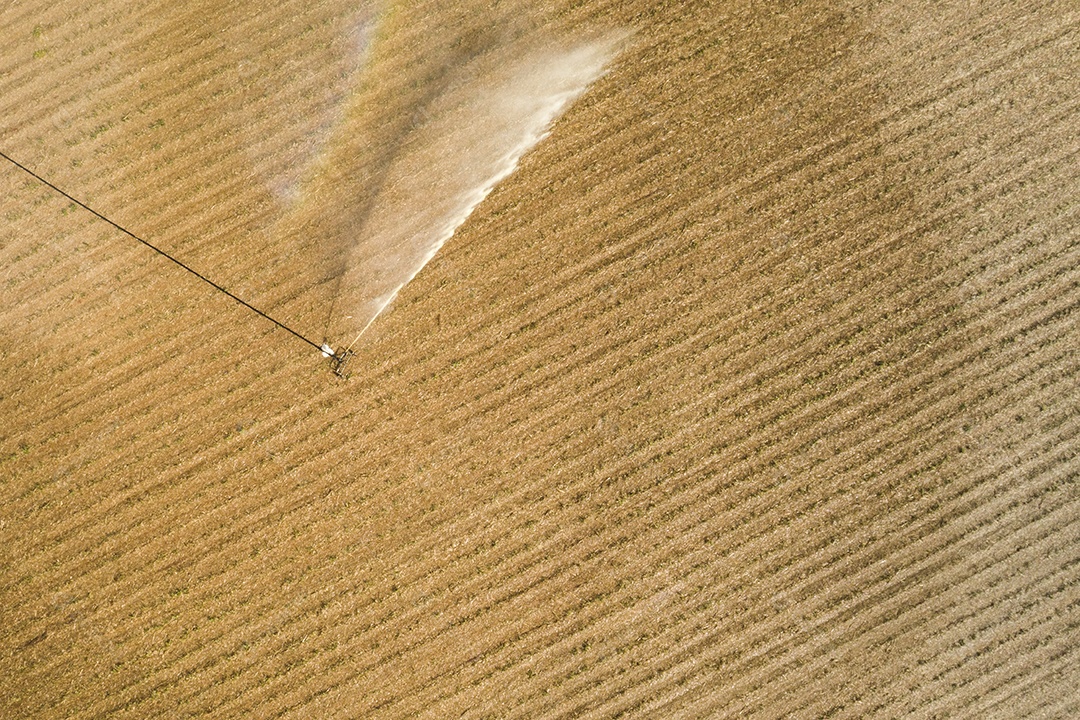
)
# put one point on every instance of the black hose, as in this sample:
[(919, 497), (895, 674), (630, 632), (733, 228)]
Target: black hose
[(161, 252)]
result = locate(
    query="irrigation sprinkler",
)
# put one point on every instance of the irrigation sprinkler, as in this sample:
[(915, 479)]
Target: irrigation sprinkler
[(337, 359)]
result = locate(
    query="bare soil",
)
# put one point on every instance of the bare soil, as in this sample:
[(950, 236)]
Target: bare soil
[(752, 393)]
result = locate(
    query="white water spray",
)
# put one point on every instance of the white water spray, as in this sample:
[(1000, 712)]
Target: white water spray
[(475, 137)]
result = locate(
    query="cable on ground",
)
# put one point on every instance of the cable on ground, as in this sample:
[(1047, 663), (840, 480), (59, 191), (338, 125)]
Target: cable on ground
[(323, 347)]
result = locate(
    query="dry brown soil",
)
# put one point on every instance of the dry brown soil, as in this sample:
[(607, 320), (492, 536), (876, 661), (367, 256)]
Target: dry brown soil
[(753, 393)]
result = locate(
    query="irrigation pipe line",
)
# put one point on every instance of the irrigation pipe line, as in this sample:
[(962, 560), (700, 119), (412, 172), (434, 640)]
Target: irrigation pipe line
[(337, 359)]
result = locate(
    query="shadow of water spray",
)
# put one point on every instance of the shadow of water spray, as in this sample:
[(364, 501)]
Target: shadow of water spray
[(475, 136)]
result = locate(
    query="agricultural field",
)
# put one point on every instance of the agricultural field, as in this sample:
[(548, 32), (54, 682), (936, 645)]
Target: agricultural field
[(712, 359)]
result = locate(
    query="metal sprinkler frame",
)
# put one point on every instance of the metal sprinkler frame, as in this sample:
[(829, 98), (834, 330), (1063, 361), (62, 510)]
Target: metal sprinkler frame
[(338, 360)]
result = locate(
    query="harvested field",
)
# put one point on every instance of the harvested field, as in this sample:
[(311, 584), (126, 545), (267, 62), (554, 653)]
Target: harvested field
[(752, 392)]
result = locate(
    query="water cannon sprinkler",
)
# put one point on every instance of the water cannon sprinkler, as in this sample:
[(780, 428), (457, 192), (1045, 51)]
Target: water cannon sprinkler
[(337, 359)]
